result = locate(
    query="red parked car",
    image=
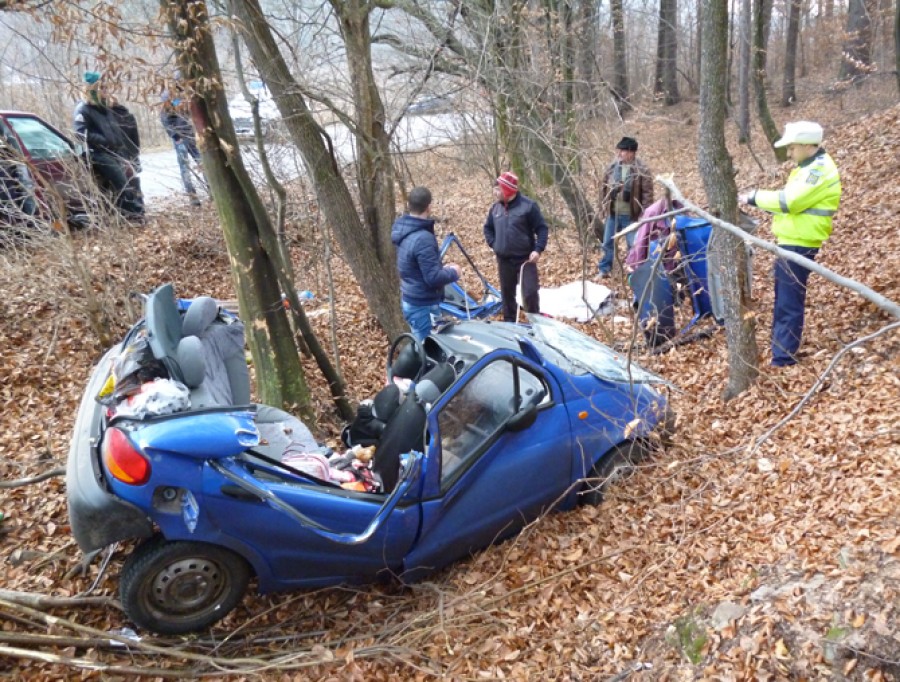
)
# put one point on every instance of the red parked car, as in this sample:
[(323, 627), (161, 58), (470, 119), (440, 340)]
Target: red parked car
[(44, 166)]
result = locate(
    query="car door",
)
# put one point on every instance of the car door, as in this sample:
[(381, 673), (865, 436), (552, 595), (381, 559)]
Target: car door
[(49, 153), (290, 554), (491, 480)]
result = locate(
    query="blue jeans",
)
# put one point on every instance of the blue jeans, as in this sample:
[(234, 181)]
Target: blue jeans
[(420, 318), (790, 302), (183, 150), (614, 225)]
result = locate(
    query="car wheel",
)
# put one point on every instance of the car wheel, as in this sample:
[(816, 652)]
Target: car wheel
[(176, 587), (616, 465)]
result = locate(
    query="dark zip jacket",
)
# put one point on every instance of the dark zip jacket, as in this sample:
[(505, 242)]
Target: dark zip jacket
[(422, 276), (515, 229), (97, 126)]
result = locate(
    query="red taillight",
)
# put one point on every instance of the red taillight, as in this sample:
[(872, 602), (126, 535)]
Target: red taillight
[(123, 460)]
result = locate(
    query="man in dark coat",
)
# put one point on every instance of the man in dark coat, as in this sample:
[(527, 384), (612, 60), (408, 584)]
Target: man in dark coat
[(107, 145), (129, 127), (422, 275), (517, 234)]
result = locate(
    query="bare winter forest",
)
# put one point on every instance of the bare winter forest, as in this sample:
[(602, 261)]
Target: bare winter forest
[(762, 544)]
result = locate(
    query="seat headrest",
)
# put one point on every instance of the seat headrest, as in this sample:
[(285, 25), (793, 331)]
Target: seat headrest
[(191, 362), (200, 314), (435, 381), (442, 375)]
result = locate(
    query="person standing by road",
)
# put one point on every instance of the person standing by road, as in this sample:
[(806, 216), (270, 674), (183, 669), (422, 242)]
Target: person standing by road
[(627, 189), (129, 127), (516, 232), (181, 132), (106, 144), (422, 275), (803, 212)]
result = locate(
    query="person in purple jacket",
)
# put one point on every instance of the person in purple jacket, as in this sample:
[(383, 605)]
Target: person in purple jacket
[(422, 275), (655, 230)]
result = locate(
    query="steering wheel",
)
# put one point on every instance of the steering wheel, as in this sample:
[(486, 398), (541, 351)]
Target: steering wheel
[(418, 348)]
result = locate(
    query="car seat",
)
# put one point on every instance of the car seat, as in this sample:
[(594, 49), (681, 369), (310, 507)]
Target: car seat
[(405, 430), (227, 376), (201, 351)]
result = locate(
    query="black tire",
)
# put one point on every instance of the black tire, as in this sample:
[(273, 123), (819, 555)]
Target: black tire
[(177, 587), (616, 465)]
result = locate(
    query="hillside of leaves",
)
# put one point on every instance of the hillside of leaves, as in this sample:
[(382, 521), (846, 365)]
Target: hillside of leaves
[(764, 544)]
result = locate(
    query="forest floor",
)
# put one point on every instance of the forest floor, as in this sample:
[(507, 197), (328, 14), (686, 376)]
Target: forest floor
[(763, 545)]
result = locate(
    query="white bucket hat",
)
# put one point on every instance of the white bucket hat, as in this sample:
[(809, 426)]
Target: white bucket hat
[(801, 132)]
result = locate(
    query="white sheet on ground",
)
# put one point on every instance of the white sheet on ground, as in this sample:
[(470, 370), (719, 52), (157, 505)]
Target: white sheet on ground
[(569, 300)]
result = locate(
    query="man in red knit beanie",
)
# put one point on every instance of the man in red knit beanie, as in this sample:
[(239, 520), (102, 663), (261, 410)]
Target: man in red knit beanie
[(517, 234)]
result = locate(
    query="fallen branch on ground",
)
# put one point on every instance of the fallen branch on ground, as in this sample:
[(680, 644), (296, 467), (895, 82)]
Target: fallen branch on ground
[(44, 601), (34, 479)]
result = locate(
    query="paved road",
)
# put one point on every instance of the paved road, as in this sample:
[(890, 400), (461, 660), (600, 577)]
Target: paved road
[(160, 178)]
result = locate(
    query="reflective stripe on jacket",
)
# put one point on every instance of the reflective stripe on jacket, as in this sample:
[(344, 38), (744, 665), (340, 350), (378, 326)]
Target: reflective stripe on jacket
[(804, 209)]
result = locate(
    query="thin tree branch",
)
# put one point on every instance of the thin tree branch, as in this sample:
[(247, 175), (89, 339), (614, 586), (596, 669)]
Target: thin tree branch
[(19, 482)]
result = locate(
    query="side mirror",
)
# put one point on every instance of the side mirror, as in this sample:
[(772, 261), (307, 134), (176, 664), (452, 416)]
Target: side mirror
[(522, 419)]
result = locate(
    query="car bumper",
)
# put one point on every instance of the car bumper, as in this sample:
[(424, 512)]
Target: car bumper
[(97, 517)]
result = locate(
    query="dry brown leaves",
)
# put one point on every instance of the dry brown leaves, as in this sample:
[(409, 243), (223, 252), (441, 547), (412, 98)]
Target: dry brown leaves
[(798, 529)]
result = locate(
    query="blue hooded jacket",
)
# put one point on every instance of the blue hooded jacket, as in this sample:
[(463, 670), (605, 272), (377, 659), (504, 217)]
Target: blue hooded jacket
[(422, 276)]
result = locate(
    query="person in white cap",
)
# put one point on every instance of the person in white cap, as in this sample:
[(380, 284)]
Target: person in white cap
[(802, 217)]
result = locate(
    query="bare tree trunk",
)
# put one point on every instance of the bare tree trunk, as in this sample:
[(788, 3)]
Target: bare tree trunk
[(280, 378), (728, 255), (586, 57), (666, 85), (762, 13), (897, 43), (375, 174), (856, 57), (744, 48), (620, 72), (788, 88), (372, 268)]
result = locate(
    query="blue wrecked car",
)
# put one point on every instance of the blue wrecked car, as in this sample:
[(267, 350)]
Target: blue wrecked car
[(479, 430)]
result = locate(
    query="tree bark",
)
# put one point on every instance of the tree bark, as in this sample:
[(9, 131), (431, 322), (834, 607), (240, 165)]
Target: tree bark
[(372, 264), (586, 57), (375, 171), (762, 13), (897, 42), (744, 49), (856, 57), (788, 88), (280, 378), (666, 84), (620, 71), (728, 257)]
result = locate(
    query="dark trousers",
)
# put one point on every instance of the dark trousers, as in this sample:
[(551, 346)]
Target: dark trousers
[(509, 279), (110, 174), (790, 302)]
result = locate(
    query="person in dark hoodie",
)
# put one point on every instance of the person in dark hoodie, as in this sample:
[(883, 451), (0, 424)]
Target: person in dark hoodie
[(517, 234), (422, 275), (107, 145)]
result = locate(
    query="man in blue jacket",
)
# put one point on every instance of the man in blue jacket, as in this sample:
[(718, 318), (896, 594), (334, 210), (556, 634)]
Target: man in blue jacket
[(422, 275), (517, 234)]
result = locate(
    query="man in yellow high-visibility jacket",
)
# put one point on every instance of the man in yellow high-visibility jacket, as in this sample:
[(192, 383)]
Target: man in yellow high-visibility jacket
[(803, 212)]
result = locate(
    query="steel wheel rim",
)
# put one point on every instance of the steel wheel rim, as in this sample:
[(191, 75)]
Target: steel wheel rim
[(187, 586)]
